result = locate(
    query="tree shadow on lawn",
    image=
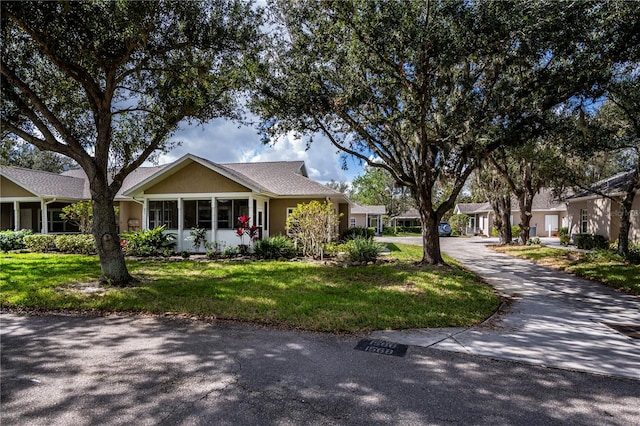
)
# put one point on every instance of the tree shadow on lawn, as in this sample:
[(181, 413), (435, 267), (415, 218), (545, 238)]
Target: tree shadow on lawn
[(117, 370)]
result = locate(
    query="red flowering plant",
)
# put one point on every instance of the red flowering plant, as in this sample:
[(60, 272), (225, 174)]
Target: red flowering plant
[(245, 229)]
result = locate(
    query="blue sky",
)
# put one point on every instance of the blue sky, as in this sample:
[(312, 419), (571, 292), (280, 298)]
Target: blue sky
[(223, 141)]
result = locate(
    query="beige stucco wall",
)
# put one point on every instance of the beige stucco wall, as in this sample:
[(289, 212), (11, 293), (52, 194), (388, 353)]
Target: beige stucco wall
[(343, 209), (196, 178), (634, 232), (278, 212), (130, 210), (10, 189), (360, 220)]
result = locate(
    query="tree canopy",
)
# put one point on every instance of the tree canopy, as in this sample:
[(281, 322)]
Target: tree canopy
[(416, 87), (106, 83)]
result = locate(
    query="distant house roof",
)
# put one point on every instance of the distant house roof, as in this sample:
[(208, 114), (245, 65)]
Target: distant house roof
[(276, 179), (356, 209), (472, 208), (409, 214), (46, 184), (614, 185), (544, 200)]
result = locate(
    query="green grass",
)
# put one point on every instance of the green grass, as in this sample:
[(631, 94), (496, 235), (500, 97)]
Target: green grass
[(288, 294), (602, 266)]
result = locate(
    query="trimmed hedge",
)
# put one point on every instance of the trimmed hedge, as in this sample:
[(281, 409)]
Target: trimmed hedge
[(12, 240), (76, 243), (41, 243)]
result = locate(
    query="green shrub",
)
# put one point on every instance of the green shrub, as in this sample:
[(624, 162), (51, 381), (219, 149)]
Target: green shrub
[(363, 250), (357, 232), (12, 240), (459, 223), (411, 229), (185, 254), (563, 231), (275, 247), (590, 241), (535, 241), (76, 243), (40, 243), (390, 230), (564, 240), (148, 242), (334, 248), (230, 252)]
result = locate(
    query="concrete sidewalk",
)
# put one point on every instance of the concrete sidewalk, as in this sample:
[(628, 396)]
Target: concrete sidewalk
[(552, 319)]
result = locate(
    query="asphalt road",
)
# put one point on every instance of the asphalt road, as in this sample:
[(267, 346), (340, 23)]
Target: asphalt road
[(65, 370)]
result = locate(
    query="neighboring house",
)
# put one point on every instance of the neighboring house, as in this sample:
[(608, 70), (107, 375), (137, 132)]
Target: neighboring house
[(594, 214), (408, 219), (548, 214), (480, 217), (191, 192), (367, 217)]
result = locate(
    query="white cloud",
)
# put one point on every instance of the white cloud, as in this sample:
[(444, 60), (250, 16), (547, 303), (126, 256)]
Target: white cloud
[(223, 141)]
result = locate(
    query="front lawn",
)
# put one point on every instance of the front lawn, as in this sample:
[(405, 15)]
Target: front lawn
[(289, 294), (602, 266)]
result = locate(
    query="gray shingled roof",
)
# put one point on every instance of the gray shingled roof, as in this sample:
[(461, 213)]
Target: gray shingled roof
[(368, 209), (281, 178), (613, 185), (46, 184), (472, 208), (409, 214), (134, 178)]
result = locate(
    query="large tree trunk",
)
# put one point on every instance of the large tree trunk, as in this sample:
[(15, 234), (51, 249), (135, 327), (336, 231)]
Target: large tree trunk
[(625, 213), (430, 238), (114, 268), (525, 202), (501, 206)]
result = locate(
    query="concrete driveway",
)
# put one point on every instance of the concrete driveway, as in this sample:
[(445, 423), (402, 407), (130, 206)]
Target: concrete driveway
[(552, 319)]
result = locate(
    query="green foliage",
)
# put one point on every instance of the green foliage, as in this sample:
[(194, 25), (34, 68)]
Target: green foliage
[(390, 230), (40, 243), (563, 231), (335, 248), (12, 240), (148, 242), (80, 214), (459, 223), (311, 225), (535, 241), (565, 239), (76, 243), (199, 238), (230, 252), (276, 247), (357, 232), (377, 187), (363, 249), (185, 254), (590, 241)]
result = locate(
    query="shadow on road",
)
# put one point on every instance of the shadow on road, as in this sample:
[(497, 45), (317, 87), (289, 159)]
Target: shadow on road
[(115, 370)]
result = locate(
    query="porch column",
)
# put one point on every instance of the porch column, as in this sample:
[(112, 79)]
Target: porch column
[(180, 225), (16, 216), (45, 222), (144, 222), (214, 220)]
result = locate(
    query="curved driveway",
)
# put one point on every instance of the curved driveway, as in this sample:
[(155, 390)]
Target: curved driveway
[(551, 318)]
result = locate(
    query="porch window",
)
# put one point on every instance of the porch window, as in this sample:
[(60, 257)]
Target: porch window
[(228, 212), (163, 213), (58, 224), (583, 221), (197, 214)]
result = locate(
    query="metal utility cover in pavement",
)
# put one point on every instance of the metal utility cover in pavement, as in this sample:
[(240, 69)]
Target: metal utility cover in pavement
[(631, 330), (382, 347)]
